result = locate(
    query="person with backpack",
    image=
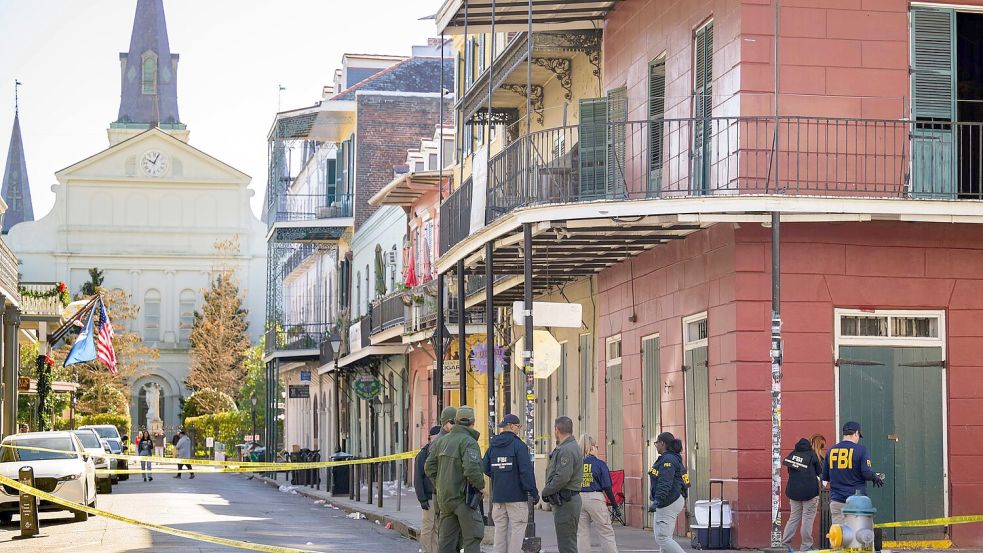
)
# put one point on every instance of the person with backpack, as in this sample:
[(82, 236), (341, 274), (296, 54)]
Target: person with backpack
[(804, 469), (669, 482)]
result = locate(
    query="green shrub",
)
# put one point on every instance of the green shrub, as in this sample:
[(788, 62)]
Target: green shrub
[(120, 421), (227, 427)]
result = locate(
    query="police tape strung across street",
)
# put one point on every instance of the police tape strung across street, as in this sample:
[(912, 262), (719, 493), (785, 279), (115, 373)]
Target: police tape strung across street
[(945, 521), (231, 466), (156, 527)]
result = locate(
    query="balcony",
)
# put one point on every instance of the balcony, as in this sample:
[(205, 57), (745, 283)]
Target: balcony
[(308, 217), (386, 316), (421, 314), (728, 157), (303, 339), (37, 301)]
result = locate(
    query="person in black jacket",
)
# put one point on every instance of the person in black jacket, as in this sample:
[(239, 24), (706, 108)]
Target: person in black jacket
[(668, 484), (513, 485), (802, 491), (424, 493)]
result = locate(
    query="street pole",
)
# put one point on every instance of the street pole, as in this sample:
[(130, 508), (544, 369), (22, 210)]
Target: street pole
[(776, 330), (531, 543)]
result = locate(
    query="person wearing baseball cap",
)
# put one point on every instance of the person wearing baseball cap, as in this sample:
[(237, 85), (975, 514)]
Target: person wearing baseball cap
[(513, 485), (424, 493), (847, 469), (454, 465)]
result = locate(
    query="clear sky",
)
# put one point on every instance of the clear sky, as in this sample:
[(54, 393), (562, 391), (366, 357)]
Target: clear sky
[(234, 55)]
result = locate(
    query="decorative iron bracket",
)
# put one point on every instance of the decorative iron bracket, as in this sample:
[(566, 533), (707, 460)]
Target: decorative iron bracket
[(561, 68), (536, 98)]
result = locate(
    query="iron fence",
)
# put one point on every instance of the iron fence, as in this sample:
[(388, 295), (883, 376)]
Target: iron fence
[(297, 336), (387, 312), (308, 207), (724, 156)]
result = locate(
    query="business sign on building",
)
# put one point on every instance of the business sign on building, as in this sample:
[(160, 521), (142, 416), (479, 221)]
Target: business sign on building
[(305, 376), (547, 313), (299, 391), (452, 374)]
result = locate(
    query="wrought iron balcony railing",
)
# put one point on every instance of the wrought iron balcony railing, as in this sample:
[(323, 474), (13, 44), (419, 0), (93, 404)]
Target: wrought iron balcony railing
[(308, 207), (723, 156), (387, 312), (293, 337)]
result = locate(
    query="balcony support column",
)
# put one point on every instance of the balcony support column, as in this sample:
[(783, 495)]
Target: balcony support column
[(490, 357), (531, 543), (462, 350), (438, 345)]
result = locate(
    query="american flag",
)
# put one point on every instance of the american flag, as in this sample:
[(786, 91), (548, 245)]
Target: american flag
[(104, 346)]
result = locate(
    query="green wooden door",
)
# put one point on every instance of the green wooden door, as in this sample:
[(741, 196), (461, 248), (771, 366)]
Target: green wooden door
[(697, 442), (702, 108), (933, 102), (895, 393), (614, 412), (656, 125), (593, 131), (651, 408)]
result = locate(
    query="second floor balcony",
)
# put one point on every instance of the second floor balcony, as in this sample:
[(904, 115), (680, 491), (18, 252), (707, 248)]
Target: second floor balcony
[(317, 217), (721, 157)]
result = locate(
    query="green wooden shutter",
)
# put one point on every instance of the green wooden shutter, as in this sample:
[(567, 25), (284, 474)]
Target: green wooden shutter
[(593, 131), (702, 107), (657, 112), (586, 381), (933, 102), (617, 118)]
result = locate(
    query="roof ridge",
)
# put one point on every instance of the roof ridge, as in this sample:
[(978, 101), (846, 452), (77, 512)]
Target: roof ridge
[(371, 77)]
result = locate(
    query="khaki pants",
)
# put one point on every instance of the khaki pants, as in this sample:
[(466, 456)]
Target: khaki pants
[(510, 526), (566, 519), (836, 512), (462, 524), (803, 512), (663, 524), (594, 512), (428, 530)]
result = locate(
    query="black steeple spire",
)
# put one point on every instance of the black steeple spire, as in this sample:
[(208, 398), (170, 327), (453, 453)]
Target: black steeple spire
[(16, 190), (149, 72)]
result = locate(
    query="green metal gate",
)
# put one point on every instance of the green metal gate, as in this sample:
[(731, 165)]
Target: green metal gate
[(895, 393), (697, 423)]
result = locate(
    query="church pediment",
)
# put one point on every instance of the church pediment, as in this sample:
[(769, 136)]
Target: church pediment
[(152, 156)]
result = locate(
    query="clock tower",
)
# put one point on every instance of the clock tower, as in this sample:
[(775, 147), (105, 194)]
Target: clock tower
[(148, 74)]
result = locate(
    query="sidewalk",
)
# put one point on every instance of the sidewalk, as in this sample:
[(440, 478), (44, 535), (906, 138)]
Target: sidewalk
[(406, 520)]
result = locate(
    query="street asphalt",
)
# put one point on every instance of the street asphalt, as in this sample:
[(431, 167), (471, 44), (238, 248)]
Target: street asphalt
[(224, 505)]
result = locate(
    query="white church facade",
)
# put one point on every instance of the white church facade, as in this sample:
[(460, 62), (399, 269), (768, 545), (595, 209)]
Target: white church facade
[(147, 211)]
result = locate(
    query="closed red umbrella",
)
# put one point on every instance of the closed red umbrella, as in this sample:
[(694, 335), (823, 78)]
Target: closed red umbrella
[(411, 279)]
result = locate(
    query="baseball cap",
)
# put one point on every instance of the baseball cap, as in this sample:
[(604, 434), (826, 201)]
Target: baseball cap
[(448, 414), (852, 426), (465, 415), (434, 430), (508, 419)]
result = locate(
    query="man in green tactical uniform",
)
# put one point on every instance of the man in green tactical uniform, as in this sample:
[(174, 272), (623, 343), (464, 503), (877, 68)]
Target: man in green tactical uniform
[(454, 465), (564, 478)]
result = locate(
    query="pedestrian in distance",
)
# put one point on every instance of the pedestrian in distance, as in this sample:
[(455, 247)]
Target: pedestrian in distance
[(183, 451), (23, 428), (158, 444), (596, 486), (424, 493), (669, 484), (513, 485), (802, 489), (145, 447), (454, 465), (564, 478), (847, 469)]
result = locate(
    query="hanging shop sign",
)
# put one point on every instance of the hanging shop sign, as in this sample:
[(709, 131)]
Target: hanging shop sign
[(479, 358), (452, 374), (547, 313), (367, 387), (299, 391)]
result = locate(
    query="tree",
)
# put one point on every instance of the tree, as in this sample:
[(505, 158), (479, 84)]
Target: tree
[(90, 288), (207, 401), (218, 337), (255, 383)]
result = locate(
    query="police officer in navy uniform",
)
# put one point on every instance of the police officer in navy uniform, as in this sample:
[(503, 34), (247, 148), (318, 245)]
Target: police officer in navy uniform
[(847, 470), (513, 485), (669, 482)]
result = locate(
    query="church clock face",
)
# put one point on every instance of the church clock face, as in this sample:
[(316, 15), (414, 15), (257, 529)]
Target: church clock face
[(154, 163)]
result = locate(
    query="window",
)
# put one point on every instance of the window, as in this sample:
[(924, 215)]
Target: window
[(617, 119), (614, 350), (657, 112), (149, 73), (695, 331), (151, 316), (432, 161), (187, 315), (358, 294), (889, 325)]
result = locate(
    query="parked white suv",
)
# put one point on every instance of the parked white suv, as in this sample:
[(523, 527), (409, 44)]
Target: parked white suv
[(70, 475), (94, 447), (117, 444)]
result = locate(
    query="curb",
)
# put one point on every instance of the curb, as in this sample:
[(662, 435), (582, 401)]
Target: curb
[(399, 526)]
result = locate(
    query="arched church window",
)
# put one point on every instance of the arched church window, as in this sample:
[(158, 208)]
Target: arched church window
[(149, 74), (151, 316), (186, 319)]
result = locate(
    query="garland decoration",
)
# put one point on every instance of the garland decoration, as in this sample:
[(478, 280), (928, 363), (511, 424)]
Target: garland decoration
[(44, 364), (60, 291)]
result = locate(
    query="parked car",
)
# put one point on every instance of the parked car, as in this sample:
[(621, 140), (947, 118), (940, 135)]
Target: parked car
[(94, 447), (116, 447), (70, 475), (113, 463)]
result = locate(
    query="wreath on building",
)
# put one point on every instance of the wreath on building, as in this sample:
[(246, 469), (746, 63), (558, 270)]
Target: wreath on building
[(60, 291)]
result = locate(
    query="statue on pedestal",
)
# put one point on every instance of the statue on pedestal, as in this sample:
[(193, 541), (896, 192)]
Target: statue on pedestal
[(154, 422)]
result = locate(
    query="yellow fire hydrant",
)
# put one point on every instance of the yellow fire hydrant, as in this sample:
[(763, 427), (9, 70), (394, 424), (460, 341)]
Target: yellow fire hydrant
[(857, 530)]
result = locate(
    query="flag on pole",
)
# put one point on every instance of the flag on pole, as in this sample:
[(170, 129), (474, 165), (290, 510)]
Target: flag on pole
[(84, 349), (104, 348)]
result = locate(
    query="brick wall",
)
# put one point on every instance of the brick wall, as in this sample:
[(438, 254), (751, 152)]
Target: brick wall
[(387, 127)]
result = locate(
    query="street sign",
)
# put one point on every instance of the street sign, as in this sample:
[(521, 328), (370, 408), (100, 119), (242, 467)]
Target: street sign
[(305, 376), (545, 313), (299, 391), (209, 442), (546, 353)]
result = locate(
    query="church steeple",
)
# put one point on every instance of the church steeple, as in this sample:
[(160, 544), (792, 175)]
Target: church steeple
[(149, 74), (16, 190)]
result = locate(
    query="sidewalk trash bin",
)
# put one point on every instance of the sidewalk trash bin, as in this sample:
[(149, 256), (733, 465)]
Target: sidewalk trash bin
[(340, 475)]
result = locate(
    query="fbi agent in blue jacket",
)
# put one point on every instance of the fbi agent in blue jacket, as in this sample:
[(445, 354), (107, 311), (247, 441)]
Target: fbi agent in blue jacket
[(847, 470), (513, 485), (669, 483)]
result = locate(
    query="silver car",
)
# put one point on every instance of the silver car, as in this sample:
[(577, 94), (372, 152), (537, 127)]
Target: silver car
[(70, 475)]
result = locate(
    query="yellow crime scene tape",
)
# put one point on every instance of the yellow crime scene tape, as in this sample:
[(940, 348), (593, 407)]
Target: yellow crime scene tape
[(946, 521), (156, 527)]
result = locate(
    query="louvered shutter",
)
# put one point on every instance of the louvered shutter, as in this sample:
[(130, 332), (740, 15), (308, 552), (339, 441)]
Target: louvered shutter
[(593, 131), (657, 112), (933, 102), (617, 117), (702, 107)]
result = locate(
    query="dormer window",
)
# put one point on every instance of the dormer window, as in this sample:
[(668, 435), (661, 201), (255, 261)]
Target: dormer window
[(149, 73)]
